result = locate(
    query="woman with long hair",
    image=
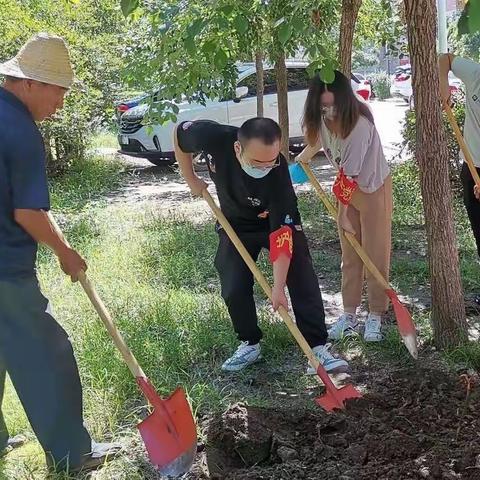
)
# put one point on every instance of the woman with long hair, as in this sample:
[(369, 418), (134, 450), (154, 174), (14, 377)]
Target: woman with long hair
[(335, 119)]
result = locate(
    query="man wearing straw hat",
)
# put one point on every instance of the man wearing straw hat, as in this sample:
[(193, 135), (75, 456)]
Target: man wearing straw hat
[(34, 349)]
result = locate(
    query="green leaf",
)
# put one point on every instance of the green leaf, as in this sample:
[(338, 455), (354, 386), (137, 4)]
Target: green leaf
[(222, 23), (175, 109), (469, 21), (327, 74), (128, 6), (323, 51), (241, 24), (284, 33), (227, 10), (298, 24), (462, 26), (195, 28), (209, 47), (474, 16), (190, 45), (221, 59)]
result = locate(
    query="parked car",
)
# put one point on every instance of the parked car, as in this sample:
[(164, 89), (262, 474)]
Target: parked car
[(402, 83), (155, 141), (363, 86), (122, 107)]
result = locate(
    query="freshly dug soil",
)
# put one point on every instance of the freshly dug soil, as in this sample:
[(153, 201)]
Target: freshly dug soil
[(412, 424)]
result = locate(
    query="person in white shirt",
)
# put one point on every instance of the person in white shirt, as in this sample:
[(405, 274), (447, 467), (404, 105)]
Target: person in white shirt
[(338, 121), (469, 72)]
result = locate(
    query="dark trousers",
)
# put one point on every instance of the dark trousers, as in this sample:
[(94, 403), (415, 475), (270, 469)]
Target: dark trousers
[(471, 203), (38, 356), (237, 287)]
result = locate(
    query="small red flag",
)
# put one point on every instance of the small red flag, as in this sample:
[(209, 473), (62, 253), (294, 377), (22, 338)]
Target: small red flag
[(343, 188)]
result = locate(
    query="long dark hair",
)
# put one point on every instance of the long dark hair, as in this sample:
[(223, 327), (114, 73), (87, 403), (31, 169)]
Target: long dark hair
[(348, 106)]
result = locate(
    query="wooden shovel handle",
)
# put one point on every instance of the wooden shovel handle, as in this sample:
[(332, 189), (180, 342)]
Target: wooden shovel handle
[(461, 142), (104, 314), (307, 350), (349, 236)]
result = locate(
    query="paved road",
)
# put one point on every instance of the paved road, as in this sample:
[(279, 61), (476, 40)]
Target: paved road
[(389, 117)]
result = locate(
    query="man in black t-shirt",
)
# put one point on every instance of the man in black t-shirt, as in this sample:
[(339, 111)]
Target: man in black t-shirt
[(257, 197)]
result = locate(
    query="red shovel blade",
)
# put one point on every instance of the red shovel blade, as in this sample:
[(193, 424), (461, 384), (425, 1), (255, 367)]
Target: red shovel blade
[(169, 433), (406, 327), (334, 398)]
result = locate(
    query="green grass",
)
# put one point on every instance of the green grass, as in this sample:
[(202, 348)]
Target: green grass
[(105, 139), (156, 276), (467, 356), (88, 180)]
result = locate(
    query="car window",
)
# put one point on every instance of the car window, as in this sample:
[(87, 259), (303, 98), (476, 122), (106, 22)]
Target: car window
[(358, 76), (269, 83), (297, 79)]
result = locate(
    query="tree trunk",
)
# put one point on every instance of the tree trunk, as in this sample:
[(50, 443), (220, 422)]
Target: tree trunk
[(448, 307), (282, 99), (260, 83), (350, 10)]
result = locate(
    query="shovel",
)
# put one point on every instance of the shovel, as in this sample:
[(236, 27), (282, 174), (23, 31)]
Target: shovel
[(405, 323), (169, 432), (462, 144), (333, 398)]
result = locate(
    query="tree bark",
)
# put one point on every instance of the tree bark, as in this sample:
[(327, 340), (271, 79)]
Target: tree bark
[(350, 10), (260, 83), (448, 307), (282, 98)]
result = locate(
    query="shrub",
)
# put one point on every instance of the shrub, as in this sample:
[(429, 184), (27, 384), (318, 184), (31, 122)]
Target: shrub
[(410, 138), (94, 32), (381, 85)]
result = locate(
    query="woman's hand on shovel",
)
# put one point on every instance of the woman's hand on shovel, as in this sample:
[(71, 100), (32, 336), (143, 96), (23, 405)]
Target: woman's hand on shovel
[(476, 192)]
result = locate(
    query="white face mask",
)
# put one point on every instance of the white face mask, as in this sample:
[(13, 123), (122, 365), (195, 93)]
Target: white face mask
[(256, 172), (329, 112)]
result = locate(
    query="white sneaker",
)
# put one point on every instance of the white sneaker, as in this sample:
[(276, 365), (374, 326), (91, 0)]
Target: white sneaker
[(105, 449), (373, 328), (330, 363), (343, 327), (244, 356)]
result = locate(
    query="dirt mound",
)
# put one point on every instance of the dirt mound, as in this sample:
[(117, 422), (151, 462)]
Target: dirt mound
[(411, 424)]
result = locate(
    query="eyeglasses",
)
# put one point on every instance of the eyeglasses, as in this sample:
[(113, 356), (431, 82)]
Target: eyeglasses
[(261, 165)]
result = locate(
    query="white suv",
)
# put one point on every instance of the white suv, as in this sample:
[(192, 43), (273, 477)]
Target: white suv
[(155, 142), (402, 83)]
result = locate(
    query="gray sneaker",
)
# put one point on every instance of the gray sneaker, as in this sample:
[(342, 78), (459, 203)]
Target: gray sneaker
[(101, 454), (330, 363), (13, 442), (373, 329), (343, 327), (244, 356)]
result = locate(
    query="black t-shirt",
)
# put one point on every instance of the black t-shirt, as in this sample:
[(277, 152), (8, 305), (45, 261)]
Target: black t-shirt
[(250, 204)]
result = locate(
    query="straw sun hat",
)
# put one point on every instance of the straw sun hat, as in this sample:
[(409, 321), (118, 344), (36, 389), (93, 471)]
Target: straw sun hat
[(43, 58)]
